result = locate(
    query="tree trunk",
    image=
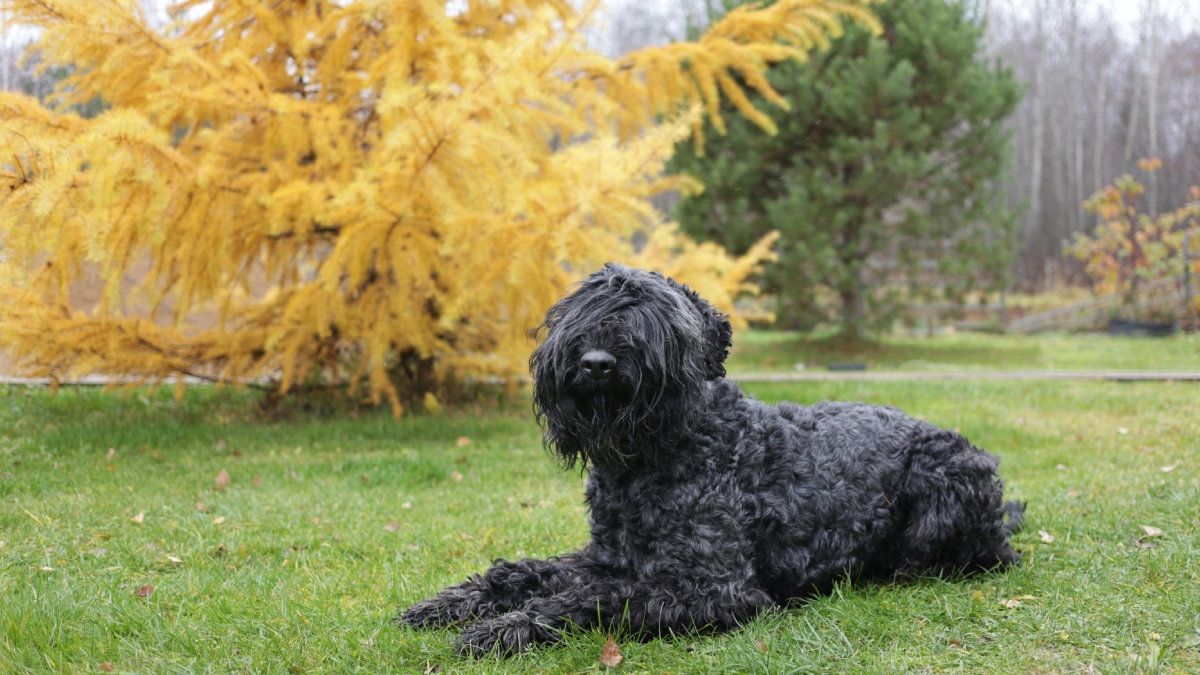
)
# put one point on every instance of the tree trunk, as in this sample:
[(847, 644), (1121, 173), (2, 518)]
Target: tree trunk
[(1039, 102), (854, 311)]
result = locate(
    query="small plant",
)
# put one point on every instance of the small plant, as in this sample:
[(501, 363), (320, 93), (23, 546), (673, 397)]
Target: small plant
[(1131, 248)]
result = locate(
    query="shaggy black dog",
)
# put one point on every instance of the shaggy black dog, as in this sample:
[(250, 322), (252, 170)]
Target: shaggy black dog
[(708, 507)]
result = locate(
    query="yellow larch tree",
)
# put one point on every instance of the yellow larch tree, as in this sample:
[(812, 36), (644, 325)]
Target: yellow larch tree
[(380, 191)]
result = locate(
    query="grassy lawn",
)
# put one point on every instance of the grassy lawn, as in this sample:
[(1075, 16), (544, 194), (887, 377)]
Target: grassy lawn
[(328, 525), (764, 351)]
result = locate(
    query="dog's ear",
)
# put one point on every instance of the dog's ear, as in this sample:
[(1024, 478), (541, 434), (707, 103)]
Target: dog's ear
[(718, 332)]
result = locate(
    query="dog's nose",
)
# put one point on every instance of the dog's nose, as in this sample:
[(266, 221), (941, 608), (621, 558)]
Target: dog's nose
[(598, 364)]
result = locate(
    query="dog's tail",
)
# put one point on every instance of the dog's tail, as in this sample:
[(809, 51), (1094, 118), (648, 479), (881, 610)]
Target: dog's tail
[(1016, 517)]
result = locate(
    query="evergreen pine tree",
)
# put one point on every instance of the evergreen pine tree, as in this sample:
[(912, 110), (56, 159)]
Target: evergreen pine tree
[(883, 178)]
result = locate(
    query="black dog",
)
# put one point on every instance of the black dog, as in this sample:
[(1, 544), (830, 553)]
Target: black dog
[(708, 507)]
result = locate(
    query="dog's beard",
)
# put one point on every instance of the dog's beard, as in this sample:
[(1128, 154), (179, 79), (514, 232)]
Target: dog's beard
[(628, 423)]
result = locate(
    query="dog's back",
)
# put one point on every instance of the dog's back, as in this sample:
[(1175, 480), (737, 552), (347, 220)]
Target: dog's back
[(837, 488)]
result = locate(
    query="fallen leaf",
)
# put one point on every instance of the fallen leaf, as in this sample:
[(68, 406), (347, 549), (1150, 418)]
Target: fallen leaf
[(157, 455), (218, 520), (1122, 430), (461, 460), (1046, 536), (138, 518), (610, 655), (1151, 531), (366, 478), (98, 551), (1012, 603), (1169, 468), (762, 646), (466, 537), (236, 453), (145, 591), (2, 543), (257, 480), (222, 479), (406, 505), (463, 442), (112, 452), (955, 642), (46, 569), (392, 526), (1072, 493), (1061, 467), (221, 445), (107, 667), (456, 476), (174, 559), (316, 521), (201, 507)]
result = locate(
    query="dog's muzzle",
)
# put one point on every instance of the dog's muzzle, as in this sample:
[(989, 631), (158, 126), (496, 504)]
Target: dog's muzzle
[(599, 364)]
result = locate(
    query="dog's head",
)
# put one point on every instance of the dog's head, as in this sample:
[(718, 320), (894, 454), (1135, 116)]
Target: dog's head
[(622, 365)]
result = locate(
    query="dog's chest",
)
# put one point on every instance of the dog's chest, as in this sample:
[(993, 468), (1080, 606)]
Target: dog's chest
[(644, 522)]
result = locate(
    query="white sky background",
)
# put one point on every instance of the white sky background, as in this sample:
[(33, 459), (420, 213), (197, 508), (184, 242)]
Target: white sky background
[(622, 24)]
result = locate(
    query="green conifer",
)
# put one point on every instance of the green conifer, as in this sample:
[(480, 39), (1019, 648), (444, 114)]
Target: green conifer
[(884, 177)]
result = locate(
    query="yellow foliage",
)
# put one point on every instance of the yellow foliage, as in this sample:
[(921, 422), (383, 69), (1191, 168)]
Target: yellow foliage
[(1129, 247), (350, 190)]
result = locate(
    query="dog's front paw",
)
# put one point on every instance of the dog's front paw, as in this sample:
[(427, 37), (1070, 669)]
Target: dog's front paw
[(436, 612), (505, 635)]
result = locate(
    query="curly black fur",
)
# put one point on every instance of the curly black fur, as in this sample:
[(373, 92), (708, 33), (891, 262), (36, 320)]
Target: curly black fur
[(708, 507)]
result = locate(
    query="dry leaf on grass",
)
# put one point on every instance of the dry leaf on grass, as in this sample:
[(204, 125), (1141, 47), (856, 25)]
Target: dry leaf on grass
[(392, 526), (1046, 536), (1122, 430), (610, 654), (406, 505), (1151, 531), (257, 480), (1013, 603), (366, 478), (201, 507), (112, 452), (138, 518), (222, 479), (174, 559), (107, 667), (762, 646), (1169, 468), (145, 591), (456, 476), (463, 441), (218, 520), (221, 445)]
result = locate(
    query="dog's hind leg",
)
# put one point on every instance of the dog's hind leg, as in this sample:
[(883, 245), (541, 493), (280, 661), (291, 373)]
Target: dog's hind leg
[(955, 510), (668, 606), (505, 586)]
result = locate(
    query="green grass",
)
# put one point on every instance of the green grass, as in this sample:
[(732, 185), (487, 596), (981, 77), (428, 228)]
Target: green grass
[(304, 573), (759, 351)]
